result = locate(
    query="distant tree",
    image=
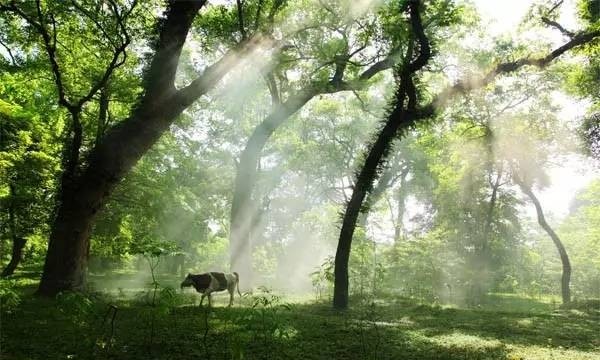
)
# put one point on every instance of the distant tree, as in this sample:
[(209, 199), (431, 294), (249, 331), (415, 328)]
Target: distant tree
[(564, 257)]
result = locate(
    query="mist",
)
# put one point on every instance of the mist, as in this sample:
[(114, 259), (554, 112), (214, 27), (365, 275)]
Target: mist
[(282, 179), (306, 172)]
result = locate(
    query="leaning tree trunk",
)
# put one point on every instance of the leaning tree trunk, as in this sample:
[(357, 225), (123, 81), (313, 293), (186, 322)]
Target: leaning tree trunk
[(564, 257), (400, 118), (84, 194), (16, 256), (242, 207), (384, 183)]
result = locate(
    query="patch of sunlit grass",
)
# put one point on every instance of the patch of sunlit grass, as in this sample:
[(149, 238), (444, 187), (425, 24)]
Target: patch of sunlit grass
[(533, 352), (461, 340)]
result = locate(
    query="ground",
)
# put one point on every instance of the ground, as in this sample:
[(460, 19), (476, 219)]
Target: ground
[(269, 326)]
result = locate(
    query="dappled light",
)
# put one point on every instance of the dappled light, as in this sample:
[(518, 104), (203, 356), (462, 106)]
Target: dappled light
[(299, 179)]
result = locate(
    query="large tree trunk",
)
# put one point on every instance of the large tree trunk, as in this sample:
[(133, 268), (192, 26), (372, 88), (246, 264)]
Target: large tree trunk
[(83, 195), (353, 209), (564, 257)]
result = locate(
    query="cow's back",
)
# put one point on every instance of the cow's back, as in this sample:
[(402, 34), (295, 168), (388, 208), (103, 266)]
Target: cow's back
[(221, 280)]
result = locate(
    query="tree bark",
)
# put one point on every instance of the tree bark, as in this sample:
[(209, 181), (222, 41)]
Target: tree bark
[(83, 196), (562, 252), (400, 118), (385, 181)]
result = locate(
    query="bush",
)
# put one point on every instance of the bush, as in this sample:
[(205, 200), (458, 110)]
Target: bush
[(9, 297)]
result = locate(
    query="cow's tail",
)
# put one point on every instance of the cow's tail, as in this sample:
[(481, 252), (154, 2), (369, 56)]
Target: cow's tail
[(237, 282)]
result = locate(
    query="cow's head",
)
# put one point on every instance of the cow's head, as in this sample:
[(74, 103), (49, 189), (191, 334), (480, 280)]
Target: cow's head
[(188, 281)]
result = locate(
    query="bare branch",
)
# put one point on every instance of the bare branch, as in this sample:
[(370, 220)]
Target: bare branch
[(94, 19), (558, 26), (558, 3), (9, 52), (381, 65), (119, 55)]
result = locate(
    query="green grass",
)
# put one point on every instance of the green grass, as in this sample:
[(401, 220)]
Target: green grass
[(507, 327)]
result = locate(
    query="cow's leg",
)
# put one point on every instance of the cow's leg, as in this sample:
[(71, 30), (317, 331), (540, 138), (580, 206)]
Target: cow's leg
[(230, 296), (209, 300), (202, 299)]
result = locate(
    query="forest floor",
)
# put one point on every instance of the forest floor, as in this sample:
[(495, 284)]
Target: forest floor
[(265, 326)]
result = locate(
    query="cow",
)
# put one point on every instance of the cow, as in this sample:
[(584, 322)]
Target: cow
[(210, 282)]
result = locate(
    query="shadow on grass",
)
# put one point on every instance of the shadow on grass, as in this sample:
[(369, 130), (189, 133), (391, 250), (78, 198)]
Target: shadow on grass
[(398, 329)]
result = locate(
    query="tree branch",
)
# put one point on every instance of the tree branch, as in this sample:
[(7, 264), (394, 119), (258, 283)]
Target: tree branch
[(215, 72), (9, 52), (49, 46), (466, 85), (119, 52), (273, 89), (558, 26)]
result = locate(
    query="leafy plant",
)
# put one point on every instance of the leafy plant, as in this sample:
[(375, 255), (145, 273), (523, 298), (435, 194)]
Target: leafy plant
[(322, 278), (9, 297)]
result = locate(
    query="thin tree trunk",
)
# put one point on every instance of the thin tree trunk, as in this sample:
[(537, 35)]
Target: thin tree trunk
[(564, 257), (18, 242), (16, 256), (401, 198), (482, 259), (83, 195)]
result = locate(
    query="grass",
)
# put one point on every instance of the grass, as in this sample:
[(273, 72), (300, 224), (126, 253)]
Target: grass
[(263, 326)]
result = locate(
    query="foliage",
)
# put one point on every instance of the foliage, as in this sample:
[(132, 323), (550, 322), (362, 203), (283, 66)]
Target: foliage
[(9, 296), (322, 278)]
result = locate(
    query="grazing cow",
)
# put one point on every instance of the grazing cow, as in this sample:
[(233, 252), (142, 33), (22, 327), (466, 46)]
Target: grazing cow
[(210, 282)]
